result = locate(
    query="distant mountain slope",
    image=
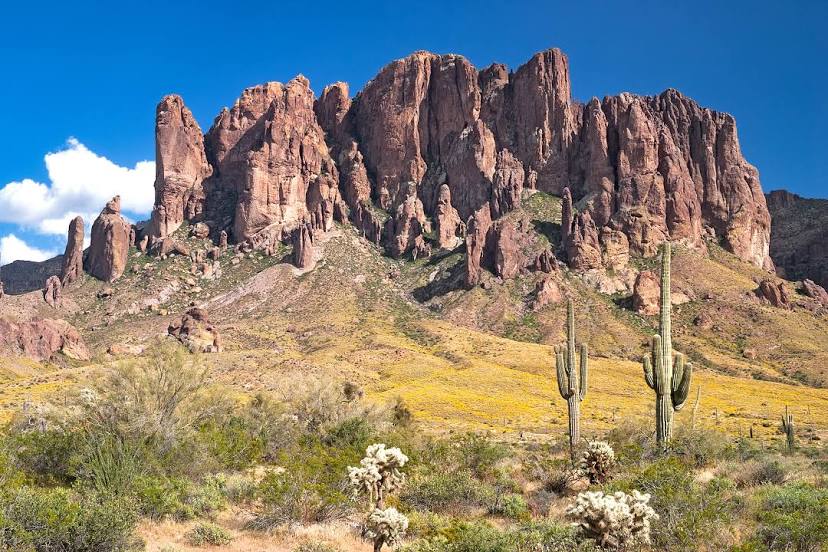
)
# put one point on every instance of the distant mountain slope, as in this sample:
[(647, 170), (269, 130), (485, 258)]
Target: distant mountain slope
[(24, 276), (799, 236)]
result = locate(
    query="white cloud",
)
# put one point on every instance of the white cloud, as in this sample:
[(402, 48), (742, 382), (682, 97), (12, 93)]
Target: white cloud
[(13, 249), (81, 182)]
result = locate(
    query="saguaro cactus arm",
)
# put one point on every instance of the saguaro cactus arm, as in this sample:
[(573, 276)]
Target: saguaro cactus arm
[(562, 373), (682, 372), (584, 370)]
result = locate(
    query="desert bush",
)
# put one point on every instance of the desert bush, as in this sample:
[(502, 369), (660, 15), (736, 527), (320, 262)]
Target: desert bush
[(446, 492), (479, 454), (315, 547), (235, 441), (793, 517), (238, 487), (689, 511), (512, 506), (208, 534), (57, 519), (619, 520), (758, 472), (633, 442), (482, 537), (427, 524), (597, 462), (702, 447)]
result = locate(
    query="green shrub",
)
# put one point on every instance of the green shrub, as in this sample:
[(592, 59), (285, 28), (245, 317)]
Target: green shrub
[(56, 519), (426, 524), (512, 506), (479, 455), (759, 472), (316, 547), (235, 442), (702, 447), (48, 456), (794, 517), (179, 498), (446, 491), (353, 432), (208, 534), (690, 512), (482, 537)]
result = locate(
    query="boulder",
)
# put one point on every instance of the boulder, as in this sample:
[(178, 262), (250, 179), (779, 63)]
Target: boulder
[(774, 293), (815, 291), (109, 248), (200, 231), (73, 255), (41, 339), (546, 292), (195, 331)]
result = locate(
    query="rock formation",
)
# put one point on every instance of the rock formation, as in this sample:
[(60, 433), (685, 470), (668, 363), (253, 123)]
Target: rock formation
[(646, 293), (41, 338), (195, 331), (73, 256), (302, 239), (108, 251), (774, 293), (51, 291), (815, 291), (431, 138), (180, 168)]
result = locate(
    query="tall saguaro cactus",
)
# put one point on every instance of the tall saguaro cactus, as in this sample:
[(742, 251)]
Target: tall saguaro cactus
[(572, 382), (667, 373), (788, 428)]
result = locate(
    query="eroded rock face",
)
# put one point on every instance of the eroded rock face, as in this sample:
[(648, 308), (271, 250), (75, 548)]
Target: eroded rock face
[(180, 168), (477, 230), (547, 291), (271, 161), (815, 291), (109, 248), (402, 231), (73, 256), (41, 339), (195, 331)]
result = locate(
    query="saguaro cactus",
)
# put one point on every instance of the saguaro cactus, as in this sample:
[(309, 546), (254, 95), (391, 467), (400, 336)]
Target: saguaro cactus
[(666, 372), (788, 428), (572, 383)]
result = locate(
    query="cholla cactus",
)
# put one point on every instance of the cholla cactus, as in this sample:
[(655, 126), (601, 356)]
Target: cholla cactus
[(597, 462), (385, 527), (614, 521), (377, 475)]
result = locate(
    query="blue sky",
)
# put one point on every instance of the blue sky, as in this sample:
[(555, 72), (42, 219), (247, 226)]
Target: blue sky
[(81, 79)]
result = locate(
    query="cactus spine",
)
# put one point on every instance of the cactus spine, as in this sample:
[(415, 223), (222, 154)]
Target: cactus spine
[(572, 382), (788, 428), (666, 372)]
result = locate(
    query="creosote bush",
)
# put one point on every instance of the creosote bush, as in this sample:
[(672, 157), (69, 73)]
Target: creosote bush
[(208, 534)]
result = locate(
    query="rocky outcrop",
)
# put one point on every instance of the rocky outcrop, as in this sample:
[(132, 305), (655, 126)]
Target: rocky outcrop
[(646, 293), (109, 248), (41, 339), (195, 332), (52, 291), (640, 170), (815, 291), (25, 276), (547, 291), (476, 232), (271, 162), (302, 239), (180, 168), (799, 247), (774, 293), (73, 256), (447, 220)]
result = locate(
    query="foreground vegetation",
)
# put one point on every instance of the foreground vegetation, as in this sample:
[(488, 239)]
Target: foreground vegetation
[(151, 440)]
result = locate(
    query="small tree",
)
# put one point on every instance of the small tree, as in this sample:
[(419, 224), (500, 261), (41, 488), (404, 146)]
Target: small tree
[(377, 476)]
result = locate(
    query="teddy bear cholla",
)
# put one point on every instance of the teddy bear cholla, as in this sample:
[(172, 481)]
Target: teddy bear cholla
[(615, 521)]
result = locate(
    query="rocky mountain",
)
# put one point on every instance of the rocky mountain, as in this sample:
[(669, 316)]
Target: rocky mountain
[(25, 276), (640, 169), (799, 236)]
